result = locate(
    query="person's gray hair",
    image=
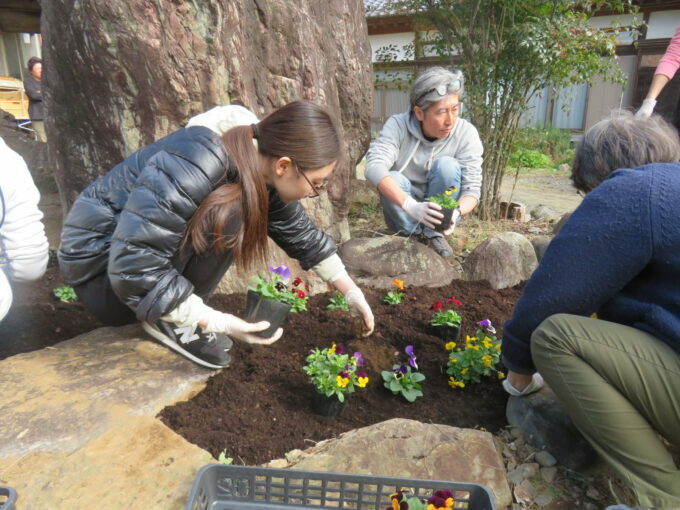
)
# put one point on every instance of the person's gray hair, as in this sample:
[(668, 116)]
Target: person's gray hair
[(622, 141), (423, 92)]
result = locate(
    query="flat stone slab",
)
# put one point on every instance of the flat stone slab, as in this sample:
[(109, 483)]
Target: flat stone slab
[(411, 449), (58, 398), (78, 427)]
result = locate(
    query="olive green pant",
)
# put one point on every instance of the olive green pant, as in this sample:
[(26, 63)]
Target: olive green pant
[(621, 386)]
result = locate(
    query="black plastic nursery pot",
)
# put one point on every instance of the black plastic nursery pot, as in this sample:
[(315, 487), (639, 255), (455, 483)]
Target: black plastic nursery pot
[(328, 406), (260, 309), (446, 220), (448, 333)]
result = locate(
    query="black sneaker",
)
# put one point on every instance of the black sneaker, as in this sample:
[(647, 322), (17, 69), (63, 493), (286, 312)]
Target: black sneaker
[(439, 244), (207, 349)]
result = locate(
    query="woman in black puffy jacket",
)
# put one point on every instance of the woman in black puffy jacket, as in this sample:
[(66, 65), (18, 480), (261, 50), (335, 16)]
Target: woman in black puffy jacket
[(152, 238)]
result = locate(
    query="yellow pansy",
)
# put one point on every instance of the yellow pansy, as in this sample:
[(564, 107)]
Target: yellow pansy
[(448, 192), (453, 360), (332, 349), (341, 381), (487, 360), (501, 375), (362, 382), (487, 344), (450, 346), (464, 371), (469, 338), (456, 384)]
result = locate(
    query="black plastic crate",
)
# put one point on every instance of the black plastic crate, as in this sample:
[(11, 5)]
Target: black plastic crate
[(221, 487), (8, 497)]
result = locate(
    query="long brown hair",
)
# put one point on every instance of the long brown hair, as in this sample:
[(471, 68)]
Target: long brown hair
[(302, 131)]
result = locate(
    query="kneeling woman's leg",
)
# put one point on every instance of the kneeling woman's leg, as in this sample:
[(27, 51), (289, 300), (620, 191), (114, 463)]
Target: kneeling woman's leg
[(620, 386), (98, 298)]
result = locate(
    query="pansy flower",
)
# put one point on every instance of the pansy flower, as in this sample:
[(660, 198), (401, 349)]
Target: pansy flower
[(457, 302), (411, 356), (282, 271), (358, 359), (399, 284), (437, 306), (339, 349), (297, 281), (486, 324), (300, 294)]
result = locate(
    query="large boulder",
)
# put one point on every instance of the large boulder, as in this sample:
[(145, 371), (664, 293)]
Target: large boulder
[(411, 449), (503, 260), (378, 261), (540, 245), (546, 425), (560, 223)]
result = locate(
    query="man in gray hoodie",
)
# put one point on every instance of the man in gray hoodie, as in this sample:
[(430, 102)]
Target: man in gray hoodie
[(423, 152)]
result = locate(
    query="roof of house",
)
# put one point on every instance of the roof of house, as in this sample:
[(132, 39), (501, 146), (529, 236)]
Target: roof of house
[(377, 8)]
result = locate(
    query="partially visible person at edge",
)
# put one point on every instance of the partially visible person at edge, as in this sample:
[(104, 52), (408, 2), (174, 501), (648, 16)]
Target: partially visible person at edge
[(151, 239), (664, 72), (24, 249), (423, 152), (618, 255), (33, 88)]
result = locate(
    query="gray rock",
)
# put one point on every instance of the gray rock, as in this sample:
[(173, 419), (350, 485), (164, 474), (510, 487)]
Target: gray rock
[(545, 459), (503, 260), (411, 449), (522, 472), (543, 499), (560, 223), (540, 245), (534, 230), (378, 261), (543, 212), (547, 426), (548, 474)]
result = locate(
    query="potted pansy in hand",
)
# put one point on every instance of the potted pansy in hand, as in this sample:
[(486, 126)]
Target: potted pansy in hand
[(447, 322), (272, 300), (448, 204), (404, 378), (477, 358), (335, 375)]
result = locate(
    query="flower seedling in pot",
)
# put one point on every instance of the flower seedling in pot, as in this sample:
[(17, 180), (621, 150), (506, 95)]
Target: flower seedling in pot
[(447, 321), (404, 378), (440, 500), (271, 300), (335, 375), (478, 357), (448, 204), (394, 297)]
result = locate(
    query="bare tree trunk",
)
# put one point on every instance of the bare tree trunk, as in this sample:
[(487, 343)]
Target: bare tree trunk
[(119, 75)]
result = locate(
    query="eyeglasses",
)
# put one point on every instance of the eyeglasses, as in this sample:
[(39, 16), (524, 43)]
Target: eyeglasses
[(316, 189), (442, 90)]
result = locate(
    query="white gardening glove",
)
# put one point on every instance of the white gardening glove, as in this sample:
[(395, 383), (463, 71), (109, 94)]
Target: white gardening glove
[(646, 109), (423, 212), (452, 226), (218, 322), (359, 306), (535, 385), (193, 311)]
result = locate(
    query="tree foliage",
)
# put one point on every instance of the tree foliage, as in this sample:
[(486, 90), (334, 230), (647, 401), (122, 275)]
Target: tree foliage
[(510, 50)]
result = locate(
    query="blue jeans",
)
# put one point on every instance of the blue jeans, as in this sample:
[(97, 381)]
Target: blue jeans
[(445, 172)]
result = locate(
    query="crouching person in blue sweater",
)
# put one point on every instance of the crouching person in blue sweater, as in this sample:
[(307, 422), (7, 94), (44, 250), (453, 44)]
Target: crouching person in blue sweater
[(618, 255)]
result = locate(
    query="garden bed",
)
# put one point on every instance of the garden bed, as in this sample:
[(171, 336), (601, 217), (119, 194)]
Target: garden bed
[(259, 408)]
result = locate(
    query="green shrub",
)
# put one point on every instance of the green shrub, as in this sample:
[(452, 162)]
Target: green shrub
[(554, 142), (529, 158)]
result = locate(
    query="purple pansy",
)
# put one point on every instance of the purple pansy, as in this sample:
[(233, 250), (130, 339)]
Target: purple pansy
[(339, 349), (360, 359), (282, 271), (411, 356), (486, 323), (401, 369)]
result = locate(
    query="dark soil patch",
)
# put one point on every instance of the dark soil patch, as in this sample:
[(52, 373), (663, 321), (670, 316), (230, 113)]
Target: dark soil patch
[(37, 319), (259, 408)]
